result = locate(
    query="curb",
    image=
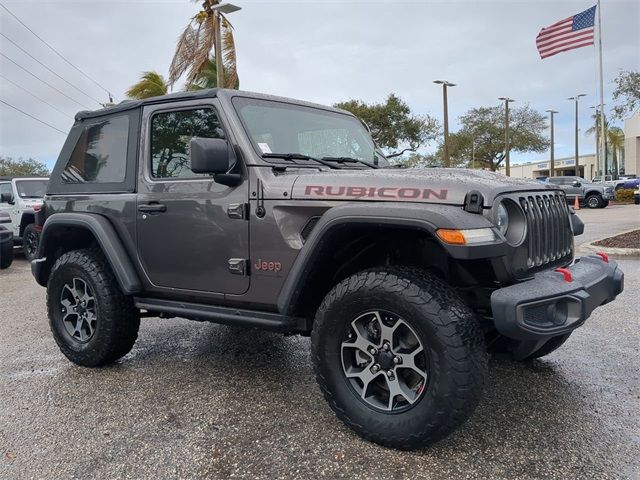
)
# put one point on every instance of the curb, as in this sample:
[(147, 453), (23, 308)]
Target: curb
[(611, 251)]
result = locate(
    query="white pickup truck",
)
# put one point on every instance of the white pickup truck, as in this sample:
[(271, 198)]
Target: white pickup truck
[(20, 198), (612, 181)]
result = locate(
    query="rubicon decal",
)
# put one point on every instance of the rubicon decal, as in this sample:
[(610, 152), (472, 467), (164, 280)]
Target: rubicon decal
[(391, 193)]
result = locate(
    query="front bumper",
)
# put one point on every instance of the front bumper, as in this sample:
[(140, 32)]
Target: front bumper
[(556, 302)]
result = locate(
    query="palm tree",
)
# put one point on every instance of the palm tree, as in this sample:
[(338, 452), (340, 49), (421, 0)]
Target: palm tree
[(193, 49), (615, 138), (151, 84), (208, 78), (598, 131)]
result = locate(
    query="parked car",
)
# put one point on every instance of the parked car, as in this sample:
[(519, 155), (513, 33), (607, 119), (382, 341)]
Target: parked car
[(21, 198), (636, 197), (6, 241), (592, 195), (254, 210), (617, 182), (630, 184)]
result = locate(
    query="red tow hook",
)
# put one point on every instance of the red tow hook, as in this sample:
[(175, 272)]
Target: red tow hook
[(603, 256), (565, 273)]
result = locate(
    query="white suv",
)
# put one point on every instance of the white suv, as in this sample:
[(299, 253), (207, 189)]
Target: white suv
[(20, 198)]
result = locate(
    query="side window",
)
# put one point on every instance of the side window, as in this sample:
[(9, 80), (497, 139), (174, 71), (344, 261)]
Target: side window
[(100, 156), (555, 180), (5, 189), (170, 136)]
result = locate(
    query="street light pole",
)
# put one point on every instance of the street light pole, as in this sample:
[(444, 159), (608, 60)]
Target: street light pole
[(598, 126), (507, 164), (577, 163), (445, 84), (551, 158), (217, 32)]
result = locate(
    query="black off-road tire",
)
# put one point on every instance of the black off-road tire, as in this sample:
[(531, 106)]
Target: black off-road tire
[(6, 255), (551, 346), (449, 333), (30, 239), (117, 319), (594, 200)]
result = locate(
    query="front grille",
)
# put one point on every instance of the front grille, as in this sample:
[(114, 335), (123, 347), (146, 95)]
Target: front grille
[(549, 235)]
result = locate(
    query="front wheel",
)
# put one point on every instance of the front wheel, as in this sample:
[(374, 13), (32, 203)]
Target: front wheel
[(594, 201), (399, 357)]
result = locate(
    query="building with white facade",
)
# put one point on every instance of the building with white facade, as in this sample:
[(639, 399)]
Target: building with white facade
[(628, 159)]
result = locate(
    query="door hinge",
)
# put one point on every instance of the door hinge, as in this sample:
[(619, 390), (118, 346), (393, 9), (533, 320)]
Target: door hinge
[(238, 211), (238, 266)]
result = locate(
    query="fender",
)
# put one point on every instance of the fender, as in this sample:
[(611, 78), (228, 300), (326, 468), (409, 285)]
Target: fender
[(107, 239), (402, 215)]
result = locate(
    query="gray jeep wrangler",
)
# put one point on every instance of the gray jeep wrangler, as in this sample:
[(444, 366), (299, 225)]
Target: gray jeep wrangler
[(252, 210)]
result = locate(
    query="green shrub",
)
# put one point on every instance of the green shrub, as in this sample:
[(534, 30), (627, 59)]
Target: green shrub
[(624, 195)]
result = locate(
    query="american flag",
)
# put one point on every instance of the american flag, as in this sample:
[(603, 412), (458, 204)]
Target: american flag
[(573, 32)]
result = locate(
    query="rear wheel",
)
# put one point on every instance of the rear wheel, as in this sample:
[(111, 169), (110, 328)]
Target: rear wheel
[(594, 200), (30, 239), (92, 322), (399, 357)]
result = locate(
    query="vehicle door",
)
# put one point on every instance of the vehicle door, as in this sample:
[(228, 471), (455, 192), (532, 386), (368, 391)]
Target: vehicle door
[(573, 187), (7, 204), (192, 233)]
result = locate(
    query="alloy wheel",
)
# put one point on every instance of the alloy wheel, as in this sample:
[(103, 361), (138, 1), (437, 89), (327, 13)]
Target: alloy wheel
[(384, 361), (31, 243), (78, 307)]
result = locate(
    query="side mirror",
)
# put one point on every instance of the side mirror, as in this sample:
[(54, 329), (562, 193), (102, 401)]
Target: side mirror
[(209, 155), (576, 184), (215, 157), (6, 198)]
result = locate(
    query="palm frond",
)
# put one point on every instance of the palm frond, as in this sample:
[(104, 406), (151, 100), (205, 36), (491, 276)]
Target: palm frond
[(204, 42), (231, 79), (185, 49), (151, 84)]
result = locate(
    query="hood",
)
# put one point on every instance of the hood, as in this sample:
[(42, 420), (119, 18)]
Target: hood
[(431, 185)]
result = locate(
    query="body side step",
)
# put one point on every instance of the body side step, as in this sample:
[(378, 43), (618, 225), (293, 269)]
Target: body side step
[(224, 315)]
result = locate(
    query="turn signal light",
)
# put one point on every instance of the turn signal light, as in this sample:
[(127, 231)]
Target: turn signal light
[(453, 237), (466, 237)]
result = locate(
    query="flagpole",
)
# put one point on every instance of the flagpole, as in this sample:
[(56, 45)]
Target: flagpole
[(602, 127)]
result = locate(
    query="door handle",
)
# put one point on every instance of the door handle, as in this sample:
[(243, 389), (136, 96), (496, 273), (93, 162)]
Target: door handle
[(152, 208)]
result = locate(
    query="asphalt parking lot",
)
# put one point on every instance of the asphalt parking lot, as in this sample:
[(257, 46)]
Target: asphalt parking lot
[(197, 400)]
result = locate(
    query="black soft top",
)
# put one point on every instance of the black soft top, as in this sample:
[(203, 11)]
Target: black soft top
[(179, 96)]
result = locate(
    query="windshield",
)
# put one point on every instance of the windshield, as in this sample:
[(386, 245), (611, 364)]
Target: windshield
[(31, 188), (277, 127)]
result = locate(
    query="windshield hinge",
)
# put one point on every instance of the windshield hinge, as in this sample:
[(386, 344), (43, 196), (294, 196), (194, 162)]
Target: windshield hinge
[(473, 202)]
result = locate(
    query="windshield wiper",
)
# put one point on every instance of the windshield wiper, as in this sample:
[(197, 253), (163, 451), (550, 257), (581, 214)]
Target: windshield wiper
[(349, 160), (299, 156)]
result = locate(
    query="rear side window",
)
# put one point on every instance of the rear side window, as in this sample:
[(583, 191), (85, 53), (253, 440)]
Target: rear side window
[(100, 155), (5, 188), (170, 136)]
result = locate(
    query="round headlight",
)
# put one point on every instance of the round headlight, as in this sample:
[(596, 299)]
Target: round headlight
[(502, 218), (510, 220)]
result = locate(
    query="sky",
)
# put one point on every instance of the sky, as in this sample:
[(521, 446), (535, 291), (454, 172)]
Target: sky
[(321, 51)]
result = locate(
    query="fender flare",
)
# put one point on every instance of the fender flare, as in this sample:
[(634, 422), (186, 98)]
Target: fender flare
[(107, 239), (422, 217)]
